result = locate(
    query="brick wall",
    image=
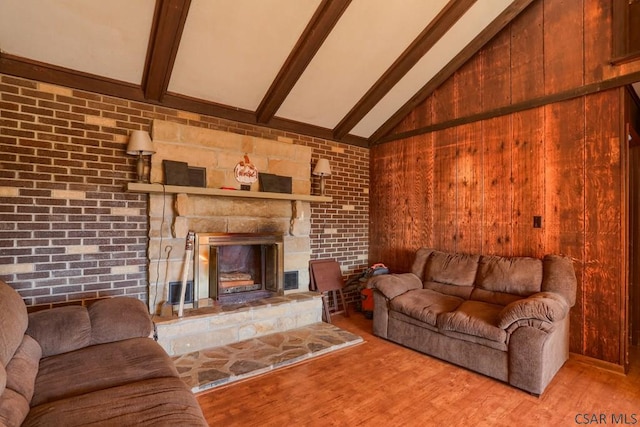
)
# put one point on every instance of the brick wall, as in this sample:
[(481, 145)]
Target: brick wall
[(69, 232)]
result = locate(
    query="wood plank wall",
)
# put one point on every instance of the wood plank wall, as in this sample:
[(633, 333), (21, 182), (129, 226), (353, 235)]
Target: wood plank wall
[(476, 187)]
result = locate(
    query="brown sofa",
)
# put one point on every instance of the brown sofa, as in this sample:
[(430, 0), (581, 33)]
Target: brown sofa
[(507, 318), (74, 365)]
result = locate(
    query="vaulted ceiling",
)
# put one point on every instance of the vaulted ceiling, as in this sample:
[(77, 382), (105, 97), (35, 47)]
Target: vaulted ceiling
[(347, 70)]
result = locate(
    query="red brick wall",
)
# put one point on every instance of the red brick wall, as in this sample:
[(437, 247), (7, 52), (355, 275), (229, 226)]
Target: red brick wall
[(69, 232)]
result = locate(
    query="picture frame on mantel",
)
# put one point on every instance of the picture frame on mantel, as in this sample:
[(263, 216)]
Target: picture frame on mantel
[(271, 183), (197, 177), (180, 173), (175, 173)]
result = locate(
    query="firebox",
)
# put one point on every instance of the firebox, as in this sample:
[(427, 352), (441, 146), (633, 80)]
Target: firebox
[(235, 268)]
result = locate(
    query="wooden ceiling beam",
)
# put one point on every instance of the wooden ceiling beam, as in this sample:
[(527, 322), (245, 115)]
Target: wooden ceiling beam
[(316, 131), (437, 28), (47, 73), (315, 33), (166, 31), (471, 49), (185, 103)]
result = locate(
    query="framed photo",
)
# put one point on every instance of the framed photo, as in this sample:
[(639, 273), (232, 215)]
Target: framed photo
[(180, 173), (175, 173), (197, 176), (274, 183)]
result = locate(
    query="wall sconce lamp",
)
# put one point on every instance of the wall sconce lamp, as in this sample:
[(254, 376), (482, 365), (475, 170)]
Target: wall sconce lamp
[(140, 144), (322, 169)]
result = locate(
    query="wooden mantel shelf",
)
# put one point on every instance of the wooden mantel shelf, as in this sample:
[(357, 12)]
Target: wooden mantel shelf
[(137, 187)]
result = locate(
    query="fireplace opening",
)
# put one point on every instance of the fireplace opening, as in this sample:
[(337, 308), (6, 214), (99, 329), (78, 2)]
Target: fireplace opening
[(239, 268), (236, 268)]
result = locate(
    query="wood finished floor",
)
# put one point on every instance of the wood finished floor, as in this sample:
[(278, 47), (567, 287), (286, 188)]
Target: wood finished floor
[(383, 384)]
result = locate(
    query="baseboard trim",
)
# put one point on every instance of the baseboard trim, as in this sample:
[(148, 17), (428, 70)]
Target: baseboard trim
[(611, 367)]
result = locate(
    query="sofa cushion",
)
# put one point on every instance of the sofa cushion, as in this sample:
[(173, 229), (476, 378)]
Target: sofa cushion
[(60, 329), (497, 298), (484, 342), (152, 402), (14, 320), (120, 318), (100, 366), (420, 261), (475, 318), (424, 304), (513, 275), (397, 316), (451, 274)]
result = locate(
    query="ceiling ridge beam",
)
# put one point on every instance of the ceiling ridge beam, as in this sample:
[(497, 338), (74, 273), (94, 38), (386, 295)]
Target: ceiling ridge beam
[(166, 31), (437, 28), (471, 49), (186, 103), (324, 19)]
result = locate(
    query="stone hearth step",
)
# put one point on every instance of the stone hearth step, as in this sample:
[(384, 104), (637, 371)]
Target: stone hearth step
[(205, 369), (220, 325)]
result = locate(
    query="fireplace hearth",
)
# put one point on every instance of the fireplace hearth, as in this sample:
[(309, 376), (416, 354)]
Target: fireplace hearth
[(234, 268)]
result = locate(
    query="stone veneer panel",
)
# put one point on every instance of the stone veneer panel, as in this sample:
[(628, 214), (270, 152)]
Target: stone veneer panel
[(220, 151)]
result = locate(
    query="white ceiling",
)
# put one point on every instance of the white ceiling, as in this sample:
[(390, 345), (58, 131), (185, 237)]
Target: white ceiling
[(368, 38), (462, 33), (106, 38), (230, 52)]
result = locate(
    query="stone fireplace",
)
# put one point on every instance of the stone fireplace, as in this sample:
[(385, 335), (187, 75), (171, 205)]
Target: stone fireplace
[(221, 208), (246, 241)]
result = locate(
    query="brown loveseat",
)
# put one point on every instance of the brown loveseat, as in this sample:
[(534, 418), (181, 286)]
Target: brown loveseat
[(507, 318), (74, 366)]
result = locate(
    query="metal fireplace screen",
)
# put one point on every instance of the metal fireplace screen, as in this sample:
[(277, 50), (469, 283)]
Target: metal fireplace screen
[(238, 267)]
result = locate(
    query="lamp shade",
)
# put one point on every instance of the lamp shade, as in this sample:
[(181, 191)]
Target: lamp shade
[(140, 143), (322, 168)]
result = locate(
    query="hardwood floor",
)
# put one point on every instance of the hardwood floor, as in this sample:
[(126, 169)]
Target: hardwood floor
[(381, 383)]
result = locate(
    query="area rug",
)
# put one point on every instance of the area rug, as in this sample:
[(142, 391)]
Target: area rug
[(205, 369)]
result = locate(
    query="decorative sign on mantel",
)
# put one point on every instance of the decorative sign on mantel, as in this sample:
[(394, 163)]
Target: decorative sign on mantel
[(246, 173)]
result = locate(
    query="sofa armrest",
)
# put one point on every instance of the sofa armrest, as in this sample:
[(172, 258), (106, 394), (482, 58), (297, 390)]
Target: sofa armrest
[(543, 306), (392, 285), (560, 277)]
